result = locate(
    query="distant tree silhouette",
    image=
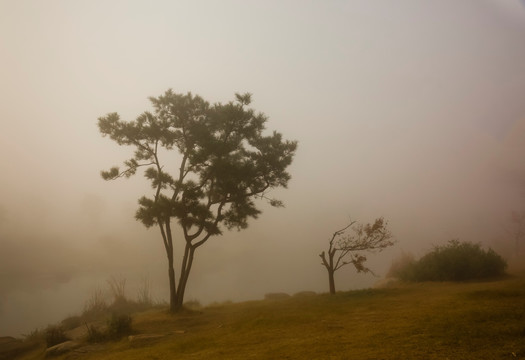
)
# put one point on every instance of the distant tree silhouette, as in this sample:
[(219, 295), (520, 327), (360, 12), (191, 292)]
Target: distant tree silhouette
[(345, 248), (206, 164), (517, 230)]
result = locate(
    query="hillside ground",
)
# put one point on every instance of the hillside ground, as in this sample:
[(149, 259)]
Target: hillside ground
[(471, 320)]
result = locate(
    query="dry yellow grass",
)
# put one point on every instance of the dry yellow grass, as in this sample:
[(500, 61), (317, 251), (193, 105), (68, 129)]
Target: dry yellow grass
[(483, 320)]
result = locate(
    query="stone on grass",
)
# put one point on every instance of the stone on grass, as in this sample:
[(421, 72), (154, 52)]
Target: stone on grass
[(61, 348)]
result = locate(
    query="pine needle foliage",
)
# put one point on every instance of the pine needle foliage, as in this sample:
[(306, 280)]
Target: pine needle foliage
[(207, 166)]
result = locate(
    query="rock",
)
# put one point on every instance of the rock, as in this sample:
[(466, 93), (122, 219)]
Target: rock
[(142, 339), (62, 348), (276, 296), (305, 293), (81, 332), (11, 347), (7, 339)]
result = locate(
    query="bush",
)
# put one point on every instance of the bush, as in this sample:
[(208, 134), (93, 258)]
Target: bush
[(144, 294), (118, 326), (34, 336), (117, 286), (455, 261), (95, 335), (402, 266), (96, 306), (55, 335), (71, 322)]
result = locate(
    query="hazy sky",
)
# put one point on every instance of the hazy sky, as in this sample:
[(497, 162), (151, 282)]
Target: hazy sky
[(411, 110)]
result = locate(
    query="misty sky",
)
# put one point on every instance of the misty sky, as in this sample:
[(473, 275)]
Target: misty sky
[(406, 109)]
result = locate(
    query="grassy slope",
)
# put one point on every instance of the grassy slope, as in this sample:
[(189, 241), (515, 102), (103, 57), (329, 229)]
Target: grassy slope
[(483, 320)]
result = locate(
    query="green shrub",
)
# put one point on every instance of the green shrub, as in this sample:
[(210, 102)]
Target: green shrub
[(455, 261)]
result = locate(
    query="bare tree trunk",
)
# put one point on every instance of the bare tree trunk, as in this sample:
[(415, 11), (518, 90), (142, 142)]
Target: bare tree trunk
[(185, 273), (331, 281), (168, 244), (173, 289), (330, 268)]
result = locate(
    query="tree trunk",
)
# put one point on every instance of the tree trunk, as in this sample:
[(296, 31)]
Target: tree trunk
[(331, 281), (173, 289), (185, 273)]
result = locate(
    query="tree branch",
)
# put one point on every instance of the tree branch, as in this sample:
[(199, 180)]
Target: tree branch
[(371, 237), (215, 224), (114, 172)]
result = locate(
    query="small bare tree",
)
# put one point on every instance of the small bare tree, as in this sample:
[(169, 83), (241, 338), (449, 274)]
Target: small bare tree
[(347, 248)]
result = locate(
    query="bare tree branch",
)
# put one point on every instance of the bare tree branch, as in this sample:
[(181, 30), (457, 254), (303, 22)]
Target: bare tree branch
[(344, 249)]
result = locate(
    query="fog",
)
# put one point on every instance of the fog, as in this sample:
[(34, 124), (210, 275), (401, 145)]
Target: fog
[(409, 110)]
